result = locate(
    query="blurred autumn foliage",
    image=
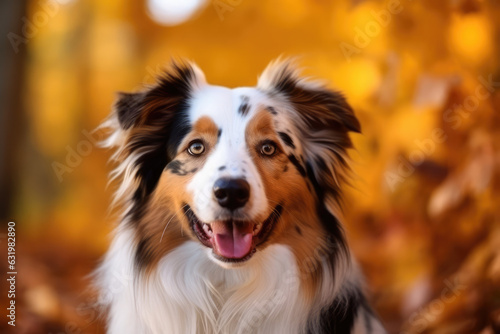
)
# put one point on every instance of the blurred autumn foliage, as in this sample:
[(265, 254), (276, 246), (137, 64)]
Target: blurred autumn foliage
[(423, 217)]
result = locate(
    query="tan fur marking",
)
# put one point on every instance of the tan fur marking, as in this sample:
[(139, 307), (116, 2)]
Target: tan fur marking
[(204, 128)]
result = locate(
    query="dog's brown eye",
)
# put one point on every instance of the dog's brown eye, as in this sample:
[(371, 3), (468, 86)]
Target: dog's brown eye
[(196, 148), (268, 149)]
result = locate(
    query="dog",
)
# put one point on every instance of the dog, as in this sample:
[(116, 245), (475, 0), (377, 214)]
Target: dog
[(231, 208)]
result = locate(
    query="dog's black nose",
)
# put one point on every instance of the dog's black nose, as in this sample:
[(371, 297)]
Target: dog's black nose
[(231, 193)]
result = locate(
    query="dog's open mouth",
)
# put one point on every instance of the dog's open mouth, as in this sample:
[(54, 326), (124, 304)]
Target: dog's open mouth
[(232, 240)]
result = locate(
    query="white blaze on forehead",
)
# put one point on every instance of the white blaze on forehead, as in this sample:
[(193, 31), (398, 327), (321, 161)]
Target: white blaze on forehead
[(221, 104), (230, 157)]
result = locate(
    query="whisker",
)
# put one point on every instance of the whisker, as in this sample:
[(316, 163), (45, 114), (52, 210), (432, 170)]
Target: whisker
[(283, 208), (166, 225)]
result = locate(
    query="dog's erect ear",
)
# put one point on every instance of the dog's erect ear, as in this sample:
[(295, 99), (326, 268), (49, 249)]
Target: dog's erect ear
[(323, 118)]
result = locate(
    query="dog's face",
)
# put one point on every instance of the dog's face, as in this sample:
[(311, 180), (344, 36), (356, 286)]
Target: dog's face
[(233, 173), (234, 169)]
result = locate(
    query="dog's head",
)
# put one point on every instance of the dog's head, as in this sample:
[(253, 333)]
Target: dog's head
[(234, 169)]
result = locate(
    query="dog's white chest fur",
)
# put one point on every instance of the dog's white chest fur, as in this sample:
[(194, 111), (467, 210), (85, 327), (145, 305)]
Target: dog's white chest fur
[(190, 294)]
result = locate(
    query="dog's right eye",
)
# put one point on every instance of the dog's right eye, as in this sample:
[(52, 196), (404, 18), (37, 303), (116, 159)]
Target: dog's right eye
[(196, 148), (268, 149)]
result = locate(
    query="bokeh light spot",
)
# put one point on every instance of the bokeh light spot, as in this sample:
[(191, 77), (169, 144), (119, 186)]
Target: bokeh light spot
[(471, 38), (173, 12)]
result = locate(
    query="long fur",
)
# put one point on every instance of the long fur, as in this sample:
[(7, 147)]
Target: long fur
[(158, 278)]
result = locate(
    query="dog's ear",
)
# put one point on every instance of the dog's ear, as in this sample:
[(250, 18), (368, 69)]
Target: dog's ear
[(322, 118), (313, 100), (174, 85), (128, 107), (149, 125)]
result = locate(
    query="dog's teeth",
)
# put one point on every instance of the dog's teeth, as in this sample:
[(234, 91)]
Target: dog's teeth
[(256, 229), (207, 229)]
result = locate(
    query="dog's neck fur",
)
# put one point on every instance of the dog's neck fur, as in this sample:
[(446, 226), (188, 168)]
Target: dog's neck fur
[(188, 293)]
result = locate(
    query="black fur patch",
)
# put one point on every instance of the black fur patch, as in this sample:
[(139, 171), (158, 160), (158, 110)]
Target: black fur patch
[(128, 108), (143, 254), (222, 167), (330, 223), (286, 139), (339, 317), (320, 162), (297, 228), (296, 163), (272, 110), (176, 167), (245, 106), (218, 134)]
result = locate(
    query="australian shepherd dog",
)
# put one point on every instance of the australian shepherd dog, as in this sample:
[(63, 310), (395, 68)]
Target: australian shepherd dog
[(231, 202)]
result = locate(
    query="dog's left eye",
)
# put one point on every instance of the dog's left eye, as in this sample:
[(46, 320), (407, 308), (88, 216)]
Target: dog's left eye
[(268, 149), (196, 148)]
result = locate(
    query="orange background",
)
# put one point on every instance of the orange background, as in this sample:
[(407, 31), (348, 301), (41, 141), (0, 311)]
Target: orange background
[(423, 216)]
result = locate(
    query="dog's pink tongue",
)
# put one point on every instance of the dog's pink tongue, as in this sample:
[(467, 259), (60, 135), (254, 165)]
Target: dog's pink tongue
[(232, 241)]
